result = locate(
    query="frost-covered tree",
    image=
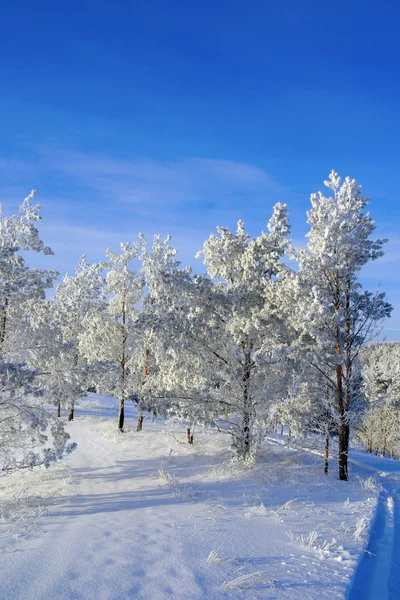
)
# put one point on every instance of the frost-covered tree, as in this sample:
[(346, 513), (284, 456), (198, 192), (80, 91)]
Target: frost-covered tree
[(24, 422), (307, 409), (226, 340), (334, 316), (47, 352), (247, 275), (379, 426), (109, 331), (18, 282), (157, 263), (53, 332), (76, 297), (380, 364)]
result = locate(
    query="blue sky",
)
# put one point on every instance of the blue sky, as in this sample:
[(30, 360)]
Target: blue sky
[(179, 116)]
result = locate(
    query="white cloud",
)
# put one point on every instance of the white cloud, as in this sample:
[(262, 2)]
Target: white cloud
[(189, 180), (94, 201)]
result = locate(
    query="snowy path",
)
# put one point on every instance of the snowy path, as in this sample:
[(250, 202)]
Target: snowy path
[(146, 511), (111, 541), (378, 574)]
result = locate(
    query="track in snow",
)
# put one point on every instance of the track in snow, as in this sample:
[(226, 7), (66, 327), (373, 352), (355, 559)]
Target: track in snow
[(378, 574)]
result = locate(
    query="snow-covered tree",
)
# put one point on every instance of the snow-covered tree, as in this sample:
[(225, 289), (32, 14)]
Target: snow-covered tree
[(157, 262), (109, 332), (75, 298), (334, 316), (379, 426), (24, 422), (18, 282), (225, 341), (53, 332)]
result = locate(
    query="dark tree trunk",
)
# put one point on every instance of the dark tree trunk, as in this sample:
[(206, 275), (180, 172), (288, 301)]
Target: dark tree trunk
[(190, 435), (343, 427), (59, 409), (327, 431), (146, 371), (369, 439), (246, 424), (3, 322), (343, 450), (71, 411), (326, 467), (139, 425), (342, 398), (383, 452), (121, 415), (246, 433)]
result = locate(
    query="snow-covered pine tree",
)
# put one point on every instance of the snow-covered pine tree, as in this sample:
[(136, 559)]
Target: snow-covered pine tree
[(24, 423), (75, 298), (18, 282), (157, 262), (109, 331), (54, 329), (223, 334), (334, 316), (379, 426)]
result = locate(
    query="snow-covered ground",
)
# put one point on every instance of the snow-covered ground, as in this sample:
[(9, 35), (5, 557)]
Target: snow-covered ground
[(147, 516)]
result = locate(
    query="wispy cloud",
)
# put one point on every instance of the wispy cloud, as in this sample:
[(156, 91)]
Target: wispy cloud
[(142, 182), (94, 201), (89, 198)]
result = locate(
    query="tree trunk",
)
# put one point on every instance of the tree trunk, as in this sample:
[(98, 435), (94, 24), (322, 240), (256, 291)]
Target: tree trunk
[(246, 423), (246, 433), (383, 452), (343, 450), (140, 418), (326, 467), (146, 371), (190, 435), (342, 405), (59, 409), (121, 415), (343, 427), (3, 322), (71, 413)]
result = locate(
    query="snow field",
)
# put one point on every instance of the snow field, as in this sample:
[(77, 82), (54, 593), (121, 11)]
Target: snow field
[(147, 516)]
